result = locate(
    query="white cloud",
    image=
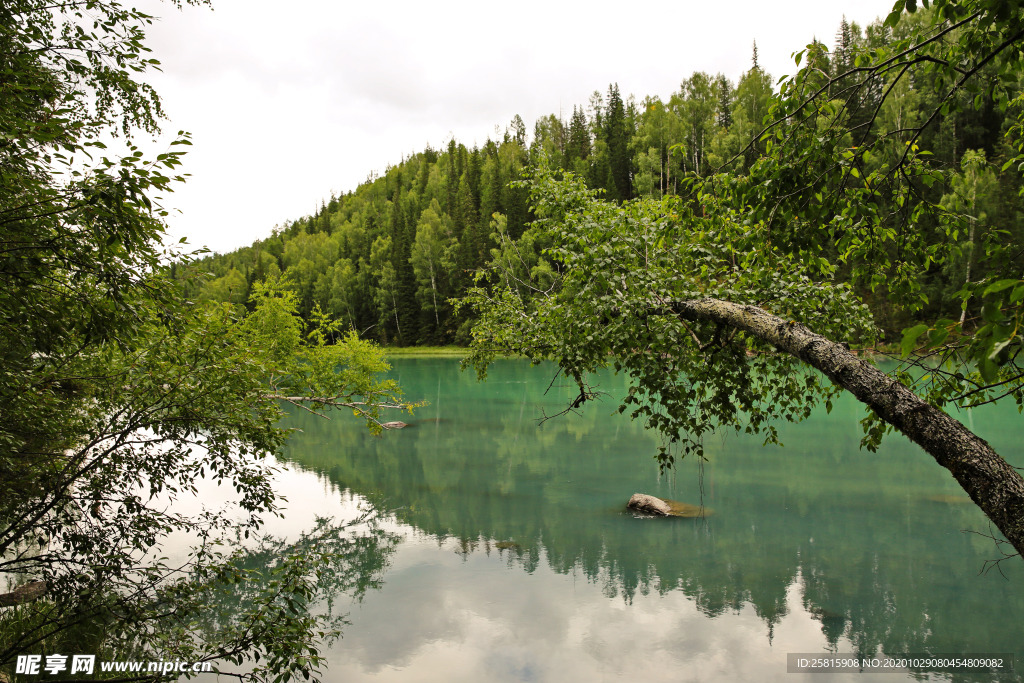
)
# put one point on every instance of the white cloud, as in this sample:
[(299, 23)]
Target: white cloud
[(289, 101)]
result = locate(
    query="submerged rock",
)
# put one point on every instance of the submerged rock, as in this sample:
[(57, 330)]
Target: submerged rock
[(394, 425), (650, 505), (506, 545), (687, 510)]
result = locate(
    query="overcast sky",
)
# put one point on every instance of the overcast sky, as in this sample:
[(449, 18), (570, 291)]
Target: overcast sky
[(289, 101)]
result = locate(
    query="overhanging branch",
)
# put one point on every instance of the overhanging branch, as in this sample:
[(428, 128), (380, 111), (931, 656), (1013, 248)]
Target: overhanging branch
[(992, 483)]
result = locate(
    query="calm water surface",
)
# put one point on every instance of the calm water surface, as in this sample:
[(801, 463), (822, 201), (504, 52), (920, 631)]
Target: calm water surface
[(518, 561)]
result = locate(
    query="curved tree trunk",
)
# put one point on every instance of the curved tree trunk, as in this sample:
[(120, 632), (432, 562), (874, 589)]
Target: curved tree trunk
[(990, 481)]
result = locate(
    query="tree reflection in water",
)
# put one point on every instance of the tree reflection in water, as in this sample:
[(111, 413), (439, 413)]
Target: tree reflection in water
[(872, 540)]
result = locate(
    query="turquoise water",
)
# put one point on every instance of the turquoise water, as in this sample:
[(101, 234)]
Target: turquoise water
[(519, 562)]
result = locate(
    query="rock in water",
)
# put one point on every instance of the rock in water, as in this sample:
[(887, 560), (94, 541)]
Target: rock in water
[(687, 510), (394, 425), (650, 505)]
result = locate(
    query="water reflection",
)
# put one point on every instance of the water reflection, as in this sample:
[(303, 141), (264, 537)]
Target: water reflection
[(815, 545)]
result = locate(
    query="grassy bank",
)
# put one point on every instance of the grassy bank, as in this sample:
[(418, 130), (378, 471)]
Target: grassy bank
[(393, 351)]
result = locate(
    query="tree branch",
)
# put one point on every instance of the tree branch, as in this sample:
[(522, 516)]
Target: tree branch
[(995, 486)]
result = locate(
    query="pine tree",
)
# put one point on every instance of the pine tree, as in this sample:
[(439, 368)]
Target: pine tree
[(725, 96), (473, 172), (515, 200), (431, 154), (469, 242), (385, 293), (617, 136), (423, 177), (597, 112), (578, 147), (396, 225), (452, 179), (408, 308), (842, 55), (321, 222), (519, 130), (491, 200), (842, 61), (464, 205)]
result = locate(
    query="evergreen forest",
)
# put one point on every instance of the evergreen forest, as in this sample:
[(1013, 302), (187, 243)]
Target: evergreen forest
[(389, 258)]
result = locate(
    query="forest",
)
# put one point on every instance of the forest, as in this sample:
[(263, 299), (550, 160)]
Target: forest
[(388, 258), (873, 195)]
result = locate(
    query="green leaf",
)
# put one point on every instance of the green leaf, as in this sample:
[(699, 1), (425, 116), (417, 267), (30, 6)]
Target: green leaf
[(991, 312), (1000, 286), (937, 336), (988, 369), (910, 336), (999, 346)]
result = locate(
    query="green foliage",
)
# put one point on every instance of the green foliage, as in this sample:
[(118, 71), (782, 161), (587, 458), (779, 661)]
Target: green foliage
[(191, 399), (259, 603), (874, 170), (606, 299), (433, 261), (118, 396), (831, 211), (251, 605)]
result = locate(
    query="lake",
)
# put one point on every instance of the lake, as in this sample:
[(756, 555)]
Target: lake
[(516, 559)]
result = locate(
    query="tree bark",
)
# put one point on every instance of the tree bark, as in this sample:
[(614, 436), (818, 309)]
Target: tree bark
[(995, 486), (967, 276)]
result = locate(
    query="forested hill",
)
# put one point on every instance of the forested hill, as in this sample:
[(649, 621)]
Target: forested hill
[(387, 258)]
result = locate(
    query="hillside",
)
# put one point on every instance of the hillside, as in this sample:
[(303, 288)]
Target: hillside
[(387, 257)]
